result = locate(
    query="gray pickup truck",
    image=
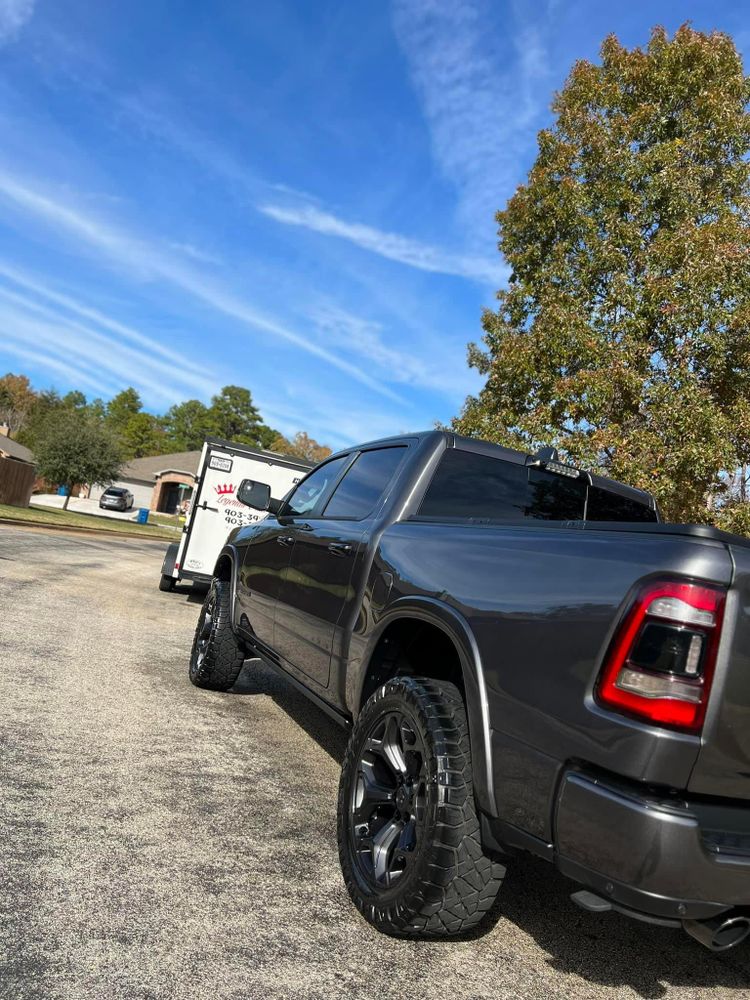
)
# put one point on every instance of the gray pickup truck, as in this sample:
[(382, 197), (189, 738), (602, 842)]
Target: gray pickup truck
[(527, 659)]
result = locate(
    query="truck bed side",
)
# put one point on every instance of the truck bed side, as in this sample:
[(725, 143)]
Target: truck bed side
[(542, 603)]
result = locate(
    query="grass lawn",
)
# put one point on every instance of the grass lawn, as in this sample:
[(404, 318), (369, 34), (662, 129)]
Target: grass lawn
[(68, 518), (168, 520)]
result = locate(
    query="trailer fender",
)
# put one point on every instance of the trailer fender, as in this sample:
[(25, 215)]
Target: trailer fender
[(170, 556)]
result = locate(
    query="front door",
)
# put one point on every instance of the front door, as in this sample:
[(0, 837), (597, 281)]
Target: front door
[(269, 549), (266, 557), (329, 543)]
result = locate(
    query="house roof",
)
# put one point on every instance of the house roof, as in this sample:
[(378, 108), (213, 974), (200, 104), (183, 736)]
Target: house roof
[(12, 449), (145, 470)]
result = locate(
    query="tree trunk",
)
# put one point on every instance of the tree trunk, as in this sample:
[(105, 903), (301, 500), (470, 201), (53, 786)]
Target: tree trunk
[(66, 498)]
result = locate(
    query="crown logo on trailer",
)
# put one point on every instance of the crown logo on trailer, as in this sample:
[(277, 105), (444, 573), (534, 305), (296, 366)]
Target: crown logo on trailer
[(227, 488)]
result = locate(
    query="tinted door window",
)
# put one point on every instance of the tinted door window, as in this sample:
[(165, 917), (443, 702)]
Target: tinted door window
[(306, 498), (606, 506), (365, 482), (476, 486)]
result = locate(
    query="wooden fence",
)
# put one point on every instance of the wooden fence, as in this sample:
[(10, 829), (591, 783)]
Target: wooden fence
[(16, 481)]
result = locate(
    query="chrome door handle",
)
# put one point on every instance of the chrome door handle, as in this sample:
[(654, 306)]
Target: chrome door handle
[(285, 539), (340, 548)]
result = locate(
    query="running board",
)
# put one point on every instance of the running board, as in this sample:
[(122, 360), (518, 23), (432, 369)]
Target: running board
[(340, 717)]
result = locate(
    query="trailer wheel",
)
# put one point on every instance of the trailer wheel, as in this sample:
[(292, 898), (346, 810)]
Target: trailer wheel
[(166, 583), (216, 657)]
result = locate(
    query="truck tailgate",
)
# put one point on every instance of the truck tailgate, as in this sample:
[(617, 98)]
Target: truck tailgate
[(723, 764)]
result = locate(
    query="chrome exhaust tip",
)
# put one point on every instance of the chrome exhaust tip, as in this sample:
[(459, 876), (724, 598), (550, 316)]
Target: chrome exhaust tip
[(719, 933)]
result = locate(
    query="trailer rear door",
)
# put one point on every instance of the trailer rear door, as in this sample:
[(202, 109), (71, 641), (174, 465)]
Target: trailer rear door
[(215, 509)]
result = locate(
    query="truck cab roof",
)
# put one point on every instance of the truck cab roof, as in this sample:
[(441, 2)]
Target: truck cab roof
[(479, 446)]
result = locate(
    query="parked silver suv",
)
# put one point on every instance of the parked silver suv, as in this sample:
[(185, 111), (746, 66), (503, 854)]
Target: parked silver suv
[(116, 498)]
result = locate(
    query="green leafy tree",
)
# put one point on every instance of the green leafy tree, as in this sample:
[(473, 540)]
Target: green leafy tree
[(622, 335), (97, 408), (74, 400), (143, 434), (45, 403), (188, 424), (74, 448), (234, 416), (266, 437), (300, 446), (122, 408)]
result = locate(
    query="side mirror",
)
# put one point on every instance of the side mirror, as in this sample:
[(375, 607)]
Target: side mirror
[(254, 494)]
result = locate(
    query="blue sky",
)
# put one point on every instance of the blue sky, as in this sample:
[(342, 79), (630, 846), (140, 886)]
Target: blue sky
[(295, 197)]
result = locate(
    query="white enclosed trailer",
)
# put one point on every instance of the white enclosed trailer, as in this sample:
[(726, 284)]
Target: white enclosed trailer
[(215, 509)]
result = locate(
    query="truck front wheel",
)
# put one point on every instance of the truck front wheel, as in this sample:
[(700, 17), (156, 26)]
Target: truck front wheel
[(408, 830), (216, 657)]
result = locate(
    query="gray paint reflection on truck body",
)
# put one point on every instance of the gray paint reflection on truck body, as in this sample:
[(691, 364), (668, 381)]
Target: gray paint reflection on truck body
[(542, 616)]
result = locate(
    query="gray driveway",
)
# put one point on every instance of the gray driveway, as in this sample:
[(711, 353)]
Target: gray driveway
[(83, 505), (157, 841)]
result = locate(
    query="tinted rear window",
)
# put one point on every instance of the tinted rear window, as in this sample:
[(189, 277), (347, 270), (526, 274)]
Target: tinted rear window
[(484, 488), (468, 485), (364, 483), (607, 506), (115, 492)]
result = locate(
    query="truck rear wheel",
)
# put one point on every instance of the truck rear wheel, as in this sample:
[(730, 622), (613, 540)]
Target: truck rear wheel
[(166, 582), (216, 657), (408, 830)]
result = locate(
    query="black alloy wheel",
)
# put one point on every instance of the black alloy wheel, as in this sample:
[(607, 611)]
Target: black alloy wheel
[(217, 656), (409, 838), (203, 631), (388, 800)]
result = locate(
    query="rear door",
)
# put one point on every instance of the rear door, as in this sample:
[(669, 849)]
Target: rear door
[(215, 509), (320, 581)]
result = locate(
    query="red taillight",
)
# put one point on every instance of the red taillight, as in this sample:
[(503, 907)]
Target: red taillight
[(660, 664)]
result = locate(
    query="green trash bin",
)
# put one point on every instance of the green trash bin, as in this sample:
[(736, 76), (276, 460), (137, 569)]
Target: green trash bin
[(142, 515)]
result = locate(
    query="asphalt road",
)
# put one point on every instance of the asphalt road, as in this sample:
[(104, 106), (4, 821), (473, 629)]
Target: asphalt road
[(157, 841)]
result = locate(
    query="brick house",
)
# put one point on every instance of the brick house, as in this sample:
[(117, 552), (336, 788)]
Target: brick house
[(155, 481)]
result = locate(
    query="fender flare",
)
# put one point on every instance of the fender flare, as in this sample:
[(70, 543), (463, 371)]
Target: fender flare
[(230, 552), (457, 629)]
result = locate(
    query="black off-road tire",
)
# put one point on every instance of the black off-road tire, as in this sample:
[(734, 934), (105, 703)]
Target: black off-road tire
[(166, 583), (217, 656), (447, 883)]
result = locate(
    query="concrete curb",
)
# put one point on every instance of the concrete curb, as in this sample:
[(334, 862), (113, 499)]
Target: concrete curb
[(75, 530)]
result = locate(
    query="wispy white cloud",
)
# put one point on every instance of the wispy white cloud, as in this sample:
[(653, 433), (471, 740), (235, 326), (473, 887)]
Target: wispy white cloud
[(425, 366), (390, 245), (13, 16), (188, 373), (98, 351), (145, 257), (299, 405), (152, 114), (481, 101), (40, 357), (196, 253)]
